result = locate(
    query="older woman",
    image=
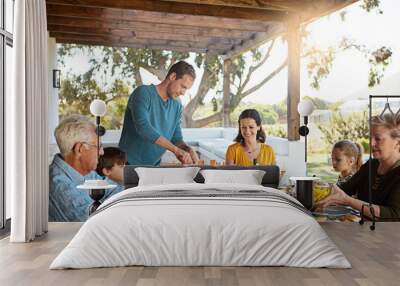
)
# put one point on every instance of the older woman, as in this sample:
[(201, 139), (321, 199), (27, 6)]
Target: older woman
[(385, 141)]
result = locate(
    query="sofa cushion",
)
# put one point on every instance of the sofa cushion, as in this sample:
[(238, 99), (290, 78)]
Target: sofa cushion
[(230, 133), (280, 145), (215, 146), (198, 134)]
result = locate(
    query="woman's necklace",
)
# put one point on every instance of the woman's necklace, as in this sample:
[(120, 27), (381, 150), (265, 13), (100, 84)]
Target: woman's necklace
[(251, 151)]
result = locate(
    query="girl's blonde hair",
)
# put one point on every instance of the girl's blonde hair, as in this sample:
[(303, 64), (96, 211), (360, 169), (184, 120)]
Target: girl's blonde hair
[(352, 150)]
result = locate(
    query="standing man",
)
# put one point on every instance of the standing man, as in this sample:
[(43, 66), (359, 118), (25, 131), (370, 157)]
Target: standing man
[(152, 122)]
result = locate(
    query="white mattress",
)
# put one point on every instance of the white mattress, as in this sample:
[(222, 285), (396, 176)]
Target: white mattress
[(183, 231)]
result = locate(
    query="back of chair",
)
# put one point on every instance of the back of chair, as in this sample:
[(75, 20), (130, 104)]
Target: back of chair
[(270, 179)]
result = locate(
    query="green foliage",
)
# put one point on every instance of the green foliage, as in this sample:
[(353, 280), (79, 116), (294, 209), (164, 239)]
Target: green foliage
[(275, 130), (77, 92), (320, 64), (269, 116), (365, 144), (215, 104), (353, 127), (370, 5), (267, 113), (238, 68), (317, 164), (318, 103), (379, 60), (281, 110)]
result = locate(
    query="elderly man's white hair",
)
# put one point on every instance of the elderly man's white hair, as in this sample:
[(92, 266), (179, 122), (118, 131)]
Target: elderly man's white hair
[(73, 129)]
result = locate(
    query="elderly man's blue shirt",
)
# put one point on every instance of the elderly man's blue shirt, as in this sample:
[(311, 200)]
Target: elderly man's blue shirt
[(66, 202)]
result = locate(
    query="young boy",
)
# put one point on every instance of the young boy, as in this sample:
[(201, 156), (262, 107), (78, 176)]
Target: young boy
[(111, 164)]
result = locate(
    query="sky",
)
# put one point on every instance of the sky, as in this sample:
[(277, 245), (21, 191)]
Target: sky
[(349, 74), (350, 69)]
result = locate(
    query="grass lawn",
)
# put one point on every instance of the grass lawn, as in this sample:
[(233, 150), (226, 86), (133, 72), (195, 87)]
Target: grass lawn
[(318, 165)]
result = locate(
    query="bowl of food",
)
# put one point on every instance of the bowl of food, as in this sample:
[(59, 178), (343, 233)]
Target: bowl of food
[(321, 190)]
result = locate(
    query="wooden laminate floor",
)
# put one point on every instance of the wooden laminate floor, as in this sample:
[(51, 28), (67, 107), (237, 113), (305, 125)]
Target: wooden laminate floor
[(374, 255)]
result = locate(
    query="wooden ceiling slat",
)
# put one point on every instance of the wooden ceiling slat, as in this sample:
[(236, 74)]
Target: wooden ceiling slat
[(140, 26), (224, 26), (289, 6), (159, 42), (181, 8), (156, 17), (140, 34), (66, 40), (256, 41), (315, 11), (279, 5)]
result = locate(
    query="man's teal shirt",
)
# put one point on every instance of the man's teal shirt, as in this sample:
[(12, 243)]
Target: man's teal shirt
[(147, 117)]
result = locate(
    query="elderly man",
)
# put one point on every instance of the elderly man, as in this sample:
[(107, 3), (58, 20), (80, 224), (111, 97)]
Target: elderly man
[(152, 122), (77, 141)]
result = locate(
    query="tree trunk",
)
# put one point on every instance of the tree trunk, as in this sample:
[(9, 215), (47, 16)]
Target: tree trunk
[(293, 118), (216, 117), (138, 77), (227, 91)]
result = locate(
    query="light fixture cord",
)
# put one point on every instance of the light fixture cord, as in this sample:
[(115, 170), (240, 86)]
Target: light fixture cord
[(98, 137)]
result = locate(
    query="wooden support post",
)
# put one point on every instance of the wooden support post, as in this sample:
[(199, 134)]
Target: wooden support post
[(226, 98), (294, 42)]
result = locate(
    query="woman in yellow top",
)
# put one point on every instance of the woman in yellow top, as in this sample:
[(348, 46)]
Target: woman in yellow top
[(250, 148)]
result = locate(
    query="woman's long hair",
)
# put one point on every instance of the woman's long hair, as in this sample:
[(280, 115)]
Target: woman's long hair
[(251, 113)]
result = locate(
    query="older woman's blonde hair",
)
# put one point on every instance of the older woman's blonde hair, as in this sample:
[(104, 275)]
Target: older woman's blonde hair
[(73, 129), (390, 121)]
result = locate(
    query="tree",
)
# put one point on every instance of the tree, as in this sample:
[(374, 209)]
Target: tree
[(128, 62), (77, 92), (321, 61)]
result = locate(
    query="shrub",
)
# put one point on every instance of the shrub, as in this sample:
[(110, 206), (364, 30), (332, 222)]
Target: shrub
[(353, 127), (275, 130)]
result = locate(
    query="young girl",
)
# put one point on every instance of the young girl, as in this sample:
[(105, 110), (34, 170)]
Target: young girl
[(346, 159), (250, 148)]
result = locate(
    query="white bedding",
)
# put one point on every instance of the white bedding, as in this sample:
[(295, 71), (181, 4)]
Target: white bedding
[(182, 231)]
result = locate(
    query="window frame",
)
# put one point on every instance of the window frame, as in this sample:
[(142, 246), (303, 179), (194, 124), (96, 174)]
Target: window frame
[(6, 39)]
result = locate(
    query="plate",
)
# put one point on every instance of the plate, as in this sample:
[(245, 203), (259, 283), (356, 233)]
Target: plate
[(87, 187), (335, 211)]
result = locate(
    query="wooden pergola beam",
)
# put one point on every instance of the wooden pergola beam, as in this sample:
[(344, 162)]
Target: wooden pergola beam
[(181, 8), (140, 34), (89, 42), (141, 26), (156, 18), (275, 5), (142, 42), (167, 43), (316, 10), (291, 6)]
